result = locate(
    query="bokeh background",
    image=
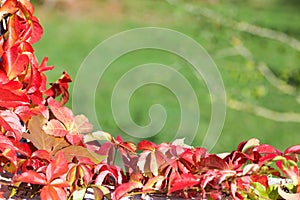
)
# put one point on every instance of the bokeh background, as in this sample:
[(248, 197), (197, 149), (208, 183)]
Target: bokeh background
[(255, 44)]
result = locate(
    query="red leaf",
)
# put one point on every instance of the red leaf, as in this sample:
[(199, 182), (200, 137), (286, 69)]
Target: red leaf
[(185, 181), (266, 158), (14, 62), (262, 179), (123, 189), (57, 167), (41, 154), (146, 145), (9, 153), (11, 122), (290, 169), (60, 87), (267, 149), (12, 99), (31, 177), (37, 31), (43, 66), (22, 148), (293, 149), (74, 139)]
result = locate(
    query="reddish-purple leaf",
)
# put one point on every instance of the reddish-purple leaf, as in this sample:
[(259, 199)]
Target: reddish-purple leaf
[(214, 162)]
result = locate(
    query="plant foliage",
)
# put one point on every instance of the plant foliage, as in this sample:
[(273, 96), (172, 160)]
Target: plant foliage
[(43, 144)]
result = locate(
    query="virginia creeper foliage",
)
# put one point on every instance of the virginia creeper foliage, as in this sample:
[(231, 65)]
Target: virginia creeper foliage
[(44, 145)]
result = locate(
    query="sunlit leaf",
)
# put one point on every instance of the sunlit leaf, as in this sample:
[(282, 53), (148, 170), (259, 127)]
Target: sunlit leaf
[(11, 122), (55, 128), (31, 177), (82, 124), (81, 152), (99, 135), (14, 62), (40, 139), (11, 99), (57, 167), (185, 181), (126, 188), (52, 193)]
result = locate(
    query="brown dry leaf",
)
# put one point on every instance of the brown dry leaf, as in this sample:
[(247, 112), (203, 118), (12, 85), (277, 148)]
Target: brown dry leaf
[(40, 139), (81, 152)]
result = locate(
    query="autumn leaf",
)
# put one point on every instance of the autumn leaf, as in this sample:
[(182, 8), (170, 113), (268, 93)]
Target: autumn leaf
[(8, 7), (11, 122), (80, 152), (126, 188), (14, 62), (184, 181), (66, 124), (52, 193), (40, 139), (55, 128), (11, 99), (99, 135), (57, 167), (82, 124), (31, 177), (214, 162), (60, 87)]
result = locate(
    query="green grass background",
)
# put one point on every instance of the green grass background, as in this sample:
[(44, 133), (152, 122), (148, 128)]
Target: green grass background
[(72, 31)]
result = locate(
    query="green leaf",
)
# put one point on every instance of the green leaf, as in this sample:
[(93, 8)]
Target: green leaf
[(79, 194), (260, 190)]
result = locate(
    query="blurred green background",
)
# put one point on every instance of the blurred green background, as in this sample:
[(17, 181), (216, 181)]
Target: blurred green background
[(255, 45)]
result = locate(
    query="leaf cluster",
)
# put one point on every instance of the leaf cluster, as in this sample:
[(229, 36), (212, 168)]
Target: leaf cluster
[(44, 145)]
